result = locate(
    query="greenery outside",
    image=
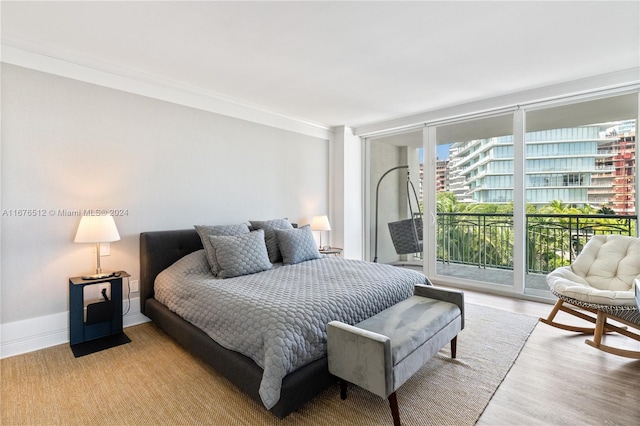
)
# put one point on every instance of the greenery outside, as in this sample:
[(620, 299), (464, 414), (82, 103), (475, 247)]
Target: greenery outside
[(482, 234)]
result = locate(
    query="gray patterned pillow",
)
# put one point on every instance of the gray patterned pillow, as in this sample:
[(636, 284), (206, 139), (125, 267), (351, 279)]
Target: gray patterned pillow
[(297, 245), (206, 231), (242, 254), (269, 227)]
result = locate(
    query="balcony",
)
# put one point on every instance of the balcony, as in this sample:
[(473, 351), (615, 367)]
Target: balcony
[(479, 246)]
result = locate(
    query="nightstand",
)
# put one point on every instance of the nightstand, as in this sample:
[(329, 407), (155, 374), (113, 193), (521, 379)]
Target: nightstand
[(331, 251), (101, 327)]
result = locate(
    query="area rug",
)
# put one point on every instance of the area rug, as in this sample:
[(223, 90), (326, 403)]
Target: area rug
[(152, 380)]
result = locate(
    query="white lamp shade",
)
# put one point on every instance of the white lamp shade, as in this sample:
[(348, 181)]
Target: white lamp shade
[(320, 223), (97, 229)]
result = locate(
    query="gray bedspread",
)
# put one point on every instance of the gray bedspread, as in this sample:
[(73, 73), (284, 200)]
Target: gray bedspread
[(278, 317)]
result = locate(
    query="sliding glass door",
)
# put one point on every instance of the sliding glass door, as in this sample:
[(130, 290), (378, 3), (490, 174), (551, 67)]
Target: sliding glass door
[(473, 219), (508, 197), (581, 174), (516, 195), (395, 168)]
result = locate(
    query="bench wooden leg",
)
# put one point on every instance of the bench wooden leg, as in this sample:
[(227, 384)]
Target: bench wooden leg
[(395, 412), (343, 389), (454, 346)]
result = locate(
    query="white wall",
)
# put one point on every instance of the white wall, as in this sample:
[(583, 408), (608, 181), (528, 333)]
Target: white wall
[(346, 195), (69, 145)]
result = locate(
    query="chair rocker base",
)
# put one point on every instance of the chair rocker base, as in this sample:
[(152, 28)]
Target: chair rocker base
[(599, 331), (561, 306)]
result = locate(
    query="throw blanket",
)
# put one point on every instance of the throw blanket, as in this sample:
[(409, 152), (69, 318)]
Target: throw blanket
[(278, 317)]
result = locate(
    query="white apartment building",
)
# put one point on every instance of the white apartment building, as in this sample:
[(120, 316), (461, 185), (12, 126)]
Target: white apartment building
[(577, 166)]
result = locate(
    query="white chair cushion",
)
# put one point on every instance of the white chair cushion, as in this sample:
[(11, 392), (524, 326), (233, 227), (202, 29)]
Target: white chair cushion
[(603, 273)]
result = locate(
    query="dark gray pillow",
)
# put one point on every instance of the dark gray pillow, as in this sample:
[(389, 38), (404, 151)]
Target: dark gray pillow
[(242, 254), (297, 245), (206, 231), (269, 227)]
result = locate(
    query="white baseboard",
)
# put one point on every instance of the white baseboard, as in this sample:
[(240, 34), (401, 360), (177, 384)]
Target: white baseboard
[(38, 333)]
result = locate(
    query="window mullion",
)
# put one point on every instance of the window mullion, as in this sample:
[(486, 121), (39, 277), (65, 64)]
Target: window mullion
[(519, 201)]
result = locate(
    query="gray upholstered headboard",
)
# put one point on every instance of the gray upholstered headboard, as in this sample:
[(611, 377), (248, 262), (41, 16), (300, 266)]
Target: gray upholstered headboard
[(158, 251)]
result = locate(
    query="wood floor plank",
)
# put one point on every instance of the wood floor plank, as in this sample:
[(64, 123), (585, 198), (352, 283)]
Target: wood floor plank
[(559, 380)]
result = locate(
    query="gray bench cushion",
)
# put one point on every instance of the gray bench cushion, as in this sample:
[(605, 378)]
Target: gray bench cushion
[(411, 323)]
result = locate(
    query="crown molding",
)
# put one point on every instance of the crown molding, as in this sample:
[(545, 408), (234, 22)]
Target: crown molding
[(96, 71)]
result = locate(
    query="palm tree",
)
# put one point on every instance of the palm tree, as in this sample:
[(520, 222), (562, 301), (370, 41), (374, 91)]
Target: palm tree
[(606, 210)]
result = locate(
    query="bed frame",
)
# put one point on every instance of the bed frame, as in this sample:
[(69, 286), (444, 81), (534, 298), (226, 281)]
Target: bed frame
[(158, 251)]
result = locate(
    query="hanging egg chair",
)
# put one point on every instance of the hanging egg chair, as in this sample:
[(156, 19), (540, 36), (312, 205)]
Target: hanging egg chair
[(406, 234)]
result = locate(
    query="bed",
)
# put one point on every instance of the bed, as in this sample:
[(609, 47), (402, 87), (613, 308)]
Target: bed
[(163, 249)]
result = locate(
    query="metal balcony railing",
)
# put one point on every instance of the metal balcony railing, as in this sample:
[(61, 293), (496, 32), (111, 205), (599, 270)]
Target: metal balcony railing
[(552, 240)]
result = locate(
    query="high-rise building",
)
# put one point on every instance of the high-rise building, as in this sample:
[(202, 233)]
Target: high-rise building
[(455, 177), (616, 178), (441, 175), (590, 165)]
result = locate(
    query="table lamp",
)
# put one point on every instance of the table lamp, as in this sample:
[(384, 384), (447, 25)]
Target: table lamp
[(97, 229), (320, 223)]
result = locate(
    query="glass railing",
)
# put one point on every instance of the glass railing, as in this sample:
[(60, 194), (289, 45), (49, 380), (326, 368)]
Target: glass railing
[(553, 240)]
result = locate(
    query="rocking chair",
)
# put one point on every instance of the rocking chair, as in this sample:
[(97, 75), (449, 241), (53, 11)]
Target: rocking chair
[(600, 281)]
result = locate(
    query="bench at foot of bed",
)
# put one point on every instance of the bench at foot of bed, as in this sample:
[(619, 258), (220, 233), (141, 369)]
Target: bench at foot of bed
[(383, 352)]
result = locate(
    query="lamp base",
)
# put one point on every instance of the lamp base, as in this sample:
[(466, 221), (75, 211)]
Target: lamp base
[(98, 276)]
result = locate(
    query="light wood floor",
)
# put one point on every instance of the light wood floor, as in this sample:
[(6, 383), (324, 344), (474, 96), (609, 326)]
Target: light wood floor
[(560, 380)]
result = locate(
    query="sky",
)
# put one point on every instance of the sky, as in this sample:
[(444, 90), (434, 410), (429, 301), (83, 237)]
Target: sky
[(442, 152)]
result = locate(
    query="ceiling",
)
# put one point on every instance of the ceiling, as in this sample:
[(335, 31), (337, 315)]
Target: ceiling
[(337, 63)]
